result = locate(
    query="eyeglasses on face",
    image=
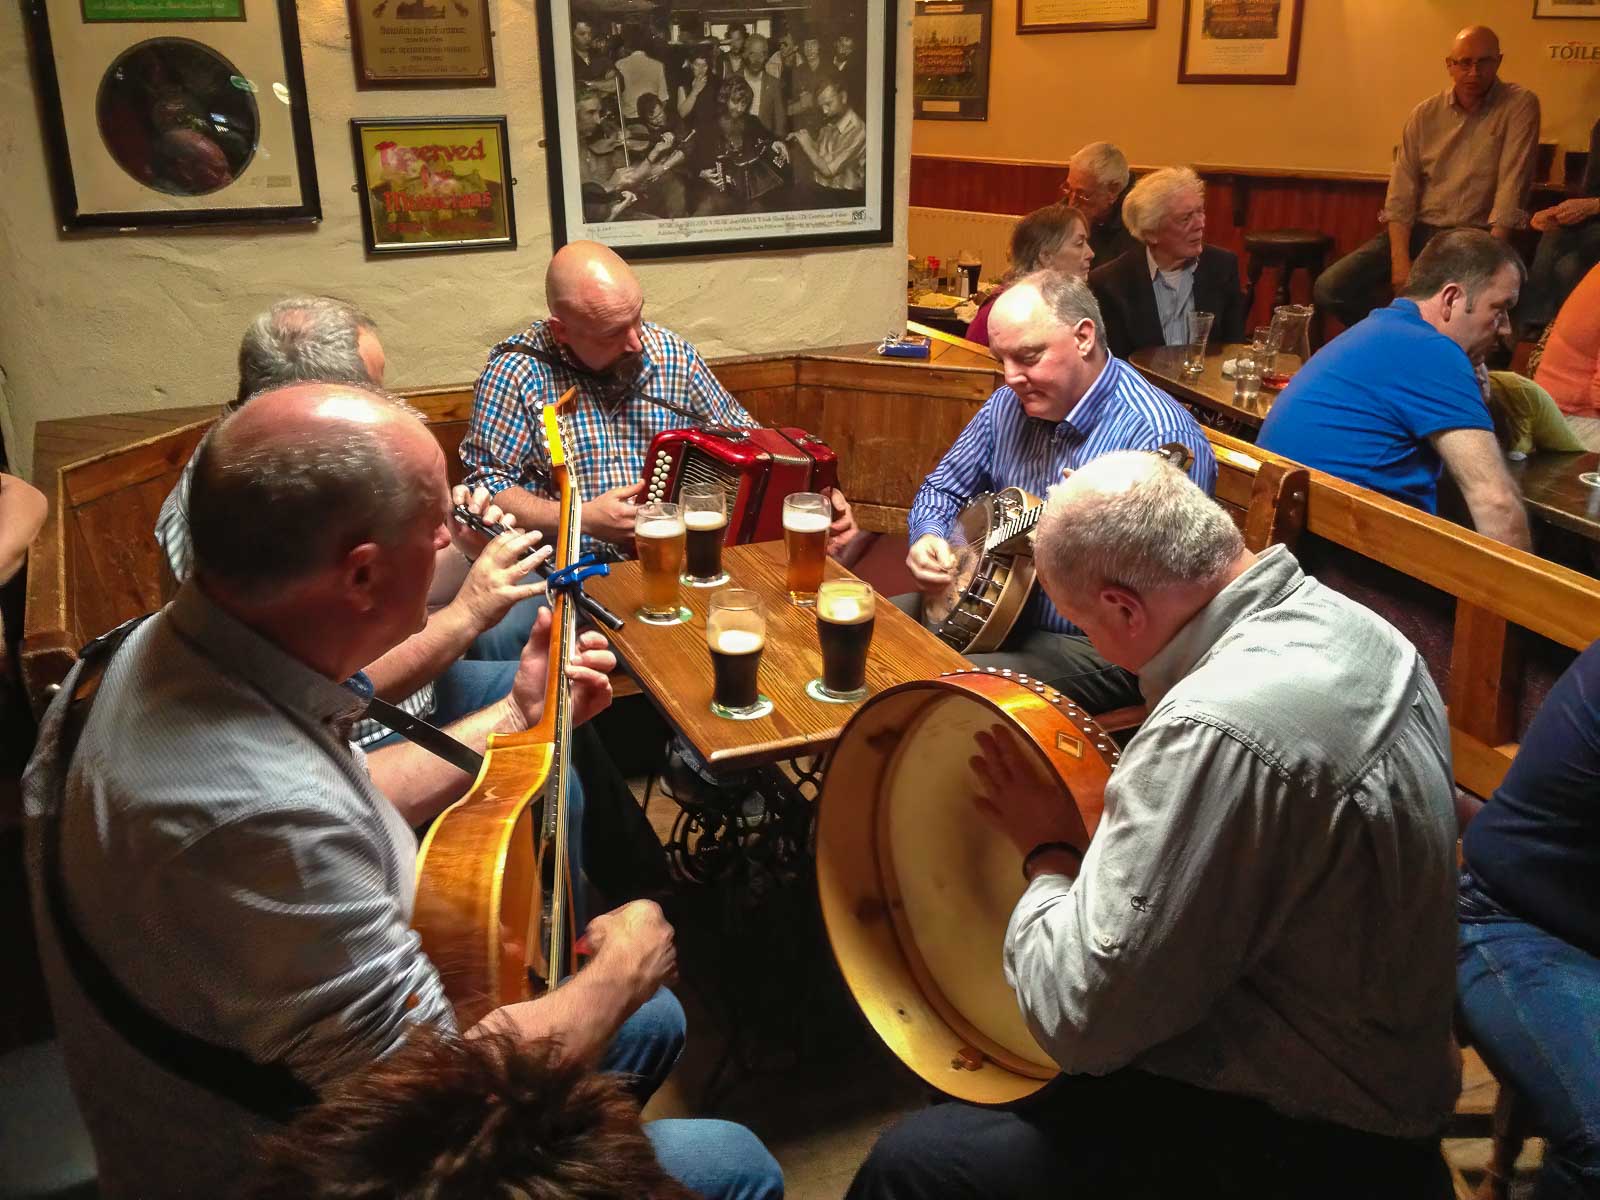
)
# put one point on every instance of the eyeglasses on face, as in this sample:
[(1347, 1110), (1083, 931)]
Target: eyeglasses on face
[(1468, 64)]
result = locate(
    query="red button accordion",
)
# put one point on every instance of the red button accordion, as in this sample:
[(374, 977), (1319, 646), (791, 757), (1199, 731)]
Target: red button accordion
[(756, 467)]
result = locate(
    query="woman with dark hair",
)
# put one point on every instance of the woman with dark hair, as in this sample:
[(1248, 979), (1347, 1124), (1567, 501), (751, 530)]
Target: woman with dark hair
[(1052, 238), (697, 99)]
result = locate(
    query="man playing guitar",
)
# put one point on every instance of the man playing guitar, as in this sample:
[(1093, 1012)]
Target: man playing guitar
[(1065, 401)]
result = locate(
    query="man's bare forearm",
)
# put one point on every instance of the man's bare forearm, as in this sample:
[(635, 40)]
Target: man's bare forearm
[(420, 784), (582, 1015), (532, 512), (1502, 518), (1400, 241), (423, 657)]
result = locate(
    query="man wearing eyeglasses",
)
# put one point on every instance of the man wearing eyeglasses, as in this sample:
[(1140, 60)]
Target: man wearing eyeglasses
[(1096, 182), (1466, 158)]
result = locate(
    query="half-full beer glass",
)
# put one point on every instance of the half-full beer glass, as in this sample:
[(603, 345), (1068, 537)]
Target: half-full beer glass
[(705, 516), (846, 612), (736, 630), (806, 517), (658, 535)]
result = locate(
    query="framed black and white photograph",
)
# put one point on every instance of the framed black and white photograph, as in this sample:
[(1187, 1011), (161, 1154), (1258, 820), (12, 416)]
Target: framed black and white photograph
[(1579, 10), (950, 60), (746, 127), (165, 113)]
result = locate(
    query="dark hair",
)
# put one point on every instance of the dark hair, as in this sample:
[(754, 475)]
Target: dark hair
[(1469, 257), (1040, 234), (734, 28), (266, 516), (648, 101), (735, 87), (451, 1118)]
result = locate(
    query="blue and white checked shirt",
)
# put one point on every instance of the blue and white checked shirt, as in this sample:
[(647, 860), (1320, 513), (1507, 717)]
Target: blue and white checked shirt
[(1003, 447), (606, 444)]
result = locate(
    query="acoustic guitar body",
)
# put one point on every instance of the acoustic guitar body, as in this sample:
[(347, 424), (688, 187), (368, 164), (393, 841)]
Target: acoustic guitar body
[(481, 880)]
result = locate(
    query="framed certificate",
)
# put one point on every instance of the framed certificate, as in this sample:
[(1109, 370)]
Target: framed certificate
[(1240, 41), (173, 112), (1580, 10), (407, 43), (1084, 16)]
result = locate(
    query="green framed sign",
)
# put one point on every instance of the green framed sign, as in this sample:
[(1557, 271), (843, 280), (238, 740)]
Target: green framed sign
[(153, 11)]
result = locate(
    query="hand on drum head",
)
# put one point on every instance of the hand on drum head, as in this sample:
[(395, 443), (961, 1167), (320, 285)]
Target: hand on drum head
[(932, 563), (1017, 798)]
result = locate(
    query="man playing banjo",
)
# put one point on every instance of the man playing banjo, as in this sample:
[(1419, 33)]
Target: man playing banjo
[(1065, 400), (1247, 976)]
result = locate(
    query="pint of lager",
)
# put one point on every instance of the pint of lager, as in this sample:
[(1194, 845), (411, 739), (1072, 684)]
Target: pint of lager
[(846, 610), (736, 631), (705, 514), (659, 533), (806, 517)]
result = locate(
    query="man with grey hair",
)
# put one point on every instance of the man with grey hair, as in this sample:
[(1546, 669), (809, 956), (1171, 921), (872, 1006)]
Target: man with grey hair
[(202, 835), (1096, 183), (1247, 975), (1065, 400)]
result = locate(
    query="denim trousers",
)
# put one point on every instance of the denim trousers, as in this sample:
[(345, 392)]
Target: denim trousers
[(1360, 281), (1564, 257), (715, 1159), (1530, 1004)]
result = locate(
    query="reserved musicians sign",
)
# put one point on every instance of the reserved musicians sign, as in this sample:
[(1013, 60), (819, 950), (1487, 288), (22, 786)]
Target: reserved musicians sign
[(435, 184)]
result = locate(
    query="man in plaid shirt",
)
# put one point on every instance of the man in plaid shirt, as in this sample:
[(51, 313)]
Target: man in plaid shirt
[(596, 340)]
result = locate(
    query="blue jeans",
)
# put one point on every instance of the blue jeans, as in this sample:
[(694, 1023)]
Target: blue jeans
[(715, 1159), (1531, 1005), (1564, 257)]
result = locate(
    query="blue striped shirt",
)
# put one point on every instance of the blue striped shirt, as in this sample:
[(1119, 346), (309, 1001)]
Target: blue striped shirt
[(1003, 447)]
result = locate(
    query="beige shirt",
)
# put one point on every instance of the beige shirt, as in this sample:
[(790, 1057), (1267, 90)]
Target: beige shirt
[(1459, 168), (841, 157)]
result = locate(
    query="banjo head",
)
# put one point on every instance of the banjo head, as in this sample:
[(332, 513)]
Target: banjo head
[(967, 539), (917, 889), (960, 614)]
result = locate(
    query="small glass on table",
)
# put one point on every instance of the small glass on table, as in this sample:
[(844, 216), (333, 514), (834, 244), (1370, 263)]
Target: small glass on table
[(705, 517), (736, 631), (806, 517), (846, 613), (1194, 353), (658, 538)]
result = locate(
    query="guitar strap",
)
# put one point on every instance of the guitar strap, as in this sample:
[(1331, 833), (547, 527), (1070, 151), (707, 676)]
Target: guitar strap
[(269, 1090)]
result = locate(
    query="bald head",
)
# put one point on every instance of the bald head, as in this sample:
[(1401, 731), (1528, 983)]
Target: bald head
[(596, 305), (290, 482), (1474, 64)]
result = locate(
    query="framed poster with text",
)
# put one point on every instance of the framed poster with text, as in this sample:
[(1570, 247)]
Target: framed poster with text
[(1579, 10), (1084, 16), (435, 183), (950, 60), (1240, 41), (688, 131), (173, 112), (404, 43)]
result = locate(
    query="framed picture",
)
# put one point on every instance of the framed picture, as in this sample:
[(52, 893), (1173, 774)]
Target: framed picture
[(161, 113), (1582, 10), (1084, 16), (407, 43), (1240, 41), (679, 131), (950, 60), (434, 183)]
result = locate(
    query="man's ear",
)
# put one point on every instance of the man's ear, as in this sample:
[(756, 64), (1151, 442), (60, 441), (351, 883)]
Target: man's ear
[(557, 328), (1452, 297), (1124, 605), (1086, 336), (359, 576)]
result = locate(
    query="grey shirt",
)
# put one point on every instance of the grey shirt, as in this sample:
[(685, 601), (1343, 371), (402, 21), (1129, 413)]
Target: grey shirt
[(1459, 168), (1268, 906), (227, 857)]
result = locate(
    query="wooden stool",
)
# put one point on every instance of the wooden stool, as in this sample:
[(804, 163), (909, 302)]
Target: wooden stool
[(1286, 250)]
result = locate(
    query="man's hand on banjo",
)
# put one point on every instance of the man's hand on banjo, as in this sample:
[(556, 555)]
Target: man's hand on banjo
[(1021, 802), (932, 562)]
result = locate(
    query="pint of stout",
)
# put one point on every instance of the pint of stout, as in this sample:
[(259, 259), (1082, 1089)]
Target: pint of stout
[(736, 631), (846, 612), (705, 515), (806, 517), (658, 534)]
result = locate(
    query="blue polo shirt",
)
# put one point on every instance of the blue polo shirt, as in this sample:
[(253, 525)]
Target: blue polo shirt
[(1365, 405)]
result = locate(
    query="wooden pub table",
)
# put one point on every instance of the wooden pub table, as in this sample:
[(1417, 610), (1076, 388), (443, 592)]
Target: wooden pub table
[(672, 664), (1209, 394)]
